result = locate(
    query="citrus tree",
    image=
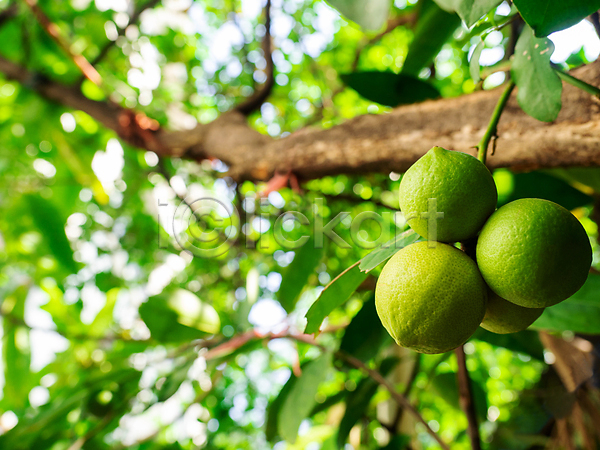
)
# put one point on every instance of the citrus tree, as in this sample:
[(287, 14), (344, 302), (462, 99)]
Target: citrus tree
[(198, 198)]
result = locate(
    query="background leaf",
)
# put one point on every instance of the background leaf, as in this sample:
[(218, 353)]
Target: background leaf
[(547, 16), (526, 341), (469, 10), (369, 14), (297, 274), (539, 88), (335, 294), (365, 335), (390, 89), (580, 313), (300, 398), (433, 29)]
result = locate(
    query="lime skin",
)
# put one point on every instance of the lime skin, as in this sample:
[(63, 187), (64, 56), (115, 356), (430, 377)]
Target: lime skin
[(460, 187), (534, 253), (430, 297), (503, 317)]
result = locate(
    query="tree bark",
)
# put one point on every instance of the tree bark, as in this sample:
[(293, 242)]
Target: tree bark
[(369, 143)]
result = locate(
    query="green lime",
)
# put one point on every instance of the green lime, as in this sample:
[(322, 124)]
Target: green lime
[(455, 184), (503, 317), (534, 253), (430, 299)]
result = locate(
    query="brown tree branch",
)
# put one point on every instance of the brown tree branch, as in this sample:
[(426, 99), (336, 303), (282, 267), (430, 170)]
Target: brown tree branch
[(369, 143), (465, 398), (263, 92), (54, 32)]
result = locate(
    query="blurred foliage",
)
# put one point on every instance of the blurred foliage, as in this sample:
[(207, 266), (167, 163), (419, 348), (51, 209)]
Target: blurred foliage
[(114, 336)]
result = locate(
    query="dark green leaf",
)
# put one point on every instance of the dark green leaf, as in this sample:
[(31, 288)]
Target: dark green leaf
[(300, 398), (387, 250), (548, 187), (296, 276), (390, 89), (526, 341), (446, 386), (433, 29), (539, 88), (365, 335), (469, 10), (547, 16), (17, 378), (580, 313), (48, 220), (369, 14), (335, 294), (163, 323), (474, 68), (398, 442), (588, 176), (358, 401)]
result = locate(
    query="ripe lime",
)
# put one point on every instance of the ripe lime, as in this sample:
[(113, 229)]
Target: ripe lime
[(455, 184), (503, 317), (430, 299), (534, 253)]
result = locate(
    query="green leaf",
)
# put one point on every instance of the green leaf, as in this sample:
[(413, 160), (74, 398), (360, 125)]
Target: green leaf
[(335, 294), (469, 10), (580, 313), (297, 274), (300, 398), (193, 312), (48, 220), (539, 86), (433, 29), (390, 89), (164, 325), (474, 68), (547, 16), (365, 335), (369, 14), (17, 377), (547, 187), (526, 341), (358, 401), (387, 250)]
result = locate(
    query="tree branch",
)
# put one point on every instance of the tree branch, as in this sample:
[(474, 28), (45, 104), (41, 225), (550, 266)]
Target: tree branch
[(466, 398), (54, 32), (369, 143), (263, 92)]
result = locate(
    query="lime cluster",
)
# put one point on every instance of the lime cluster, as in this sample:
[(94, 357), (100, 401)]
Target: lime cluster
[(528, 255)]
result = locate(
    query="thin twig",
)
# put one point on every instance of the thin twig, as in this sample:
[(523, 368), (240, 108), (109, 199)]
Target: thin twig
[(492, 128), (592, 90), (399, 398), (121, 32), (53, 31), (263, 92), (466, 398)]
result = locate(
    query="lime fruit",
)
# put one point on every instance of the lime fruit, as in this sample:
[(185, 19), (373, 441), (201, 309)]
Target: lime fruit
[(534, 253), (503, 317), (430, 299), (453, 183)]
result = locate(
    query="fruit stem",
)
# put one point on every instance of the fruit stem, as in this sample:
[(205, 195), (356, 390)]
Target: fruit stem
[(493, 125), (593, 90)]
